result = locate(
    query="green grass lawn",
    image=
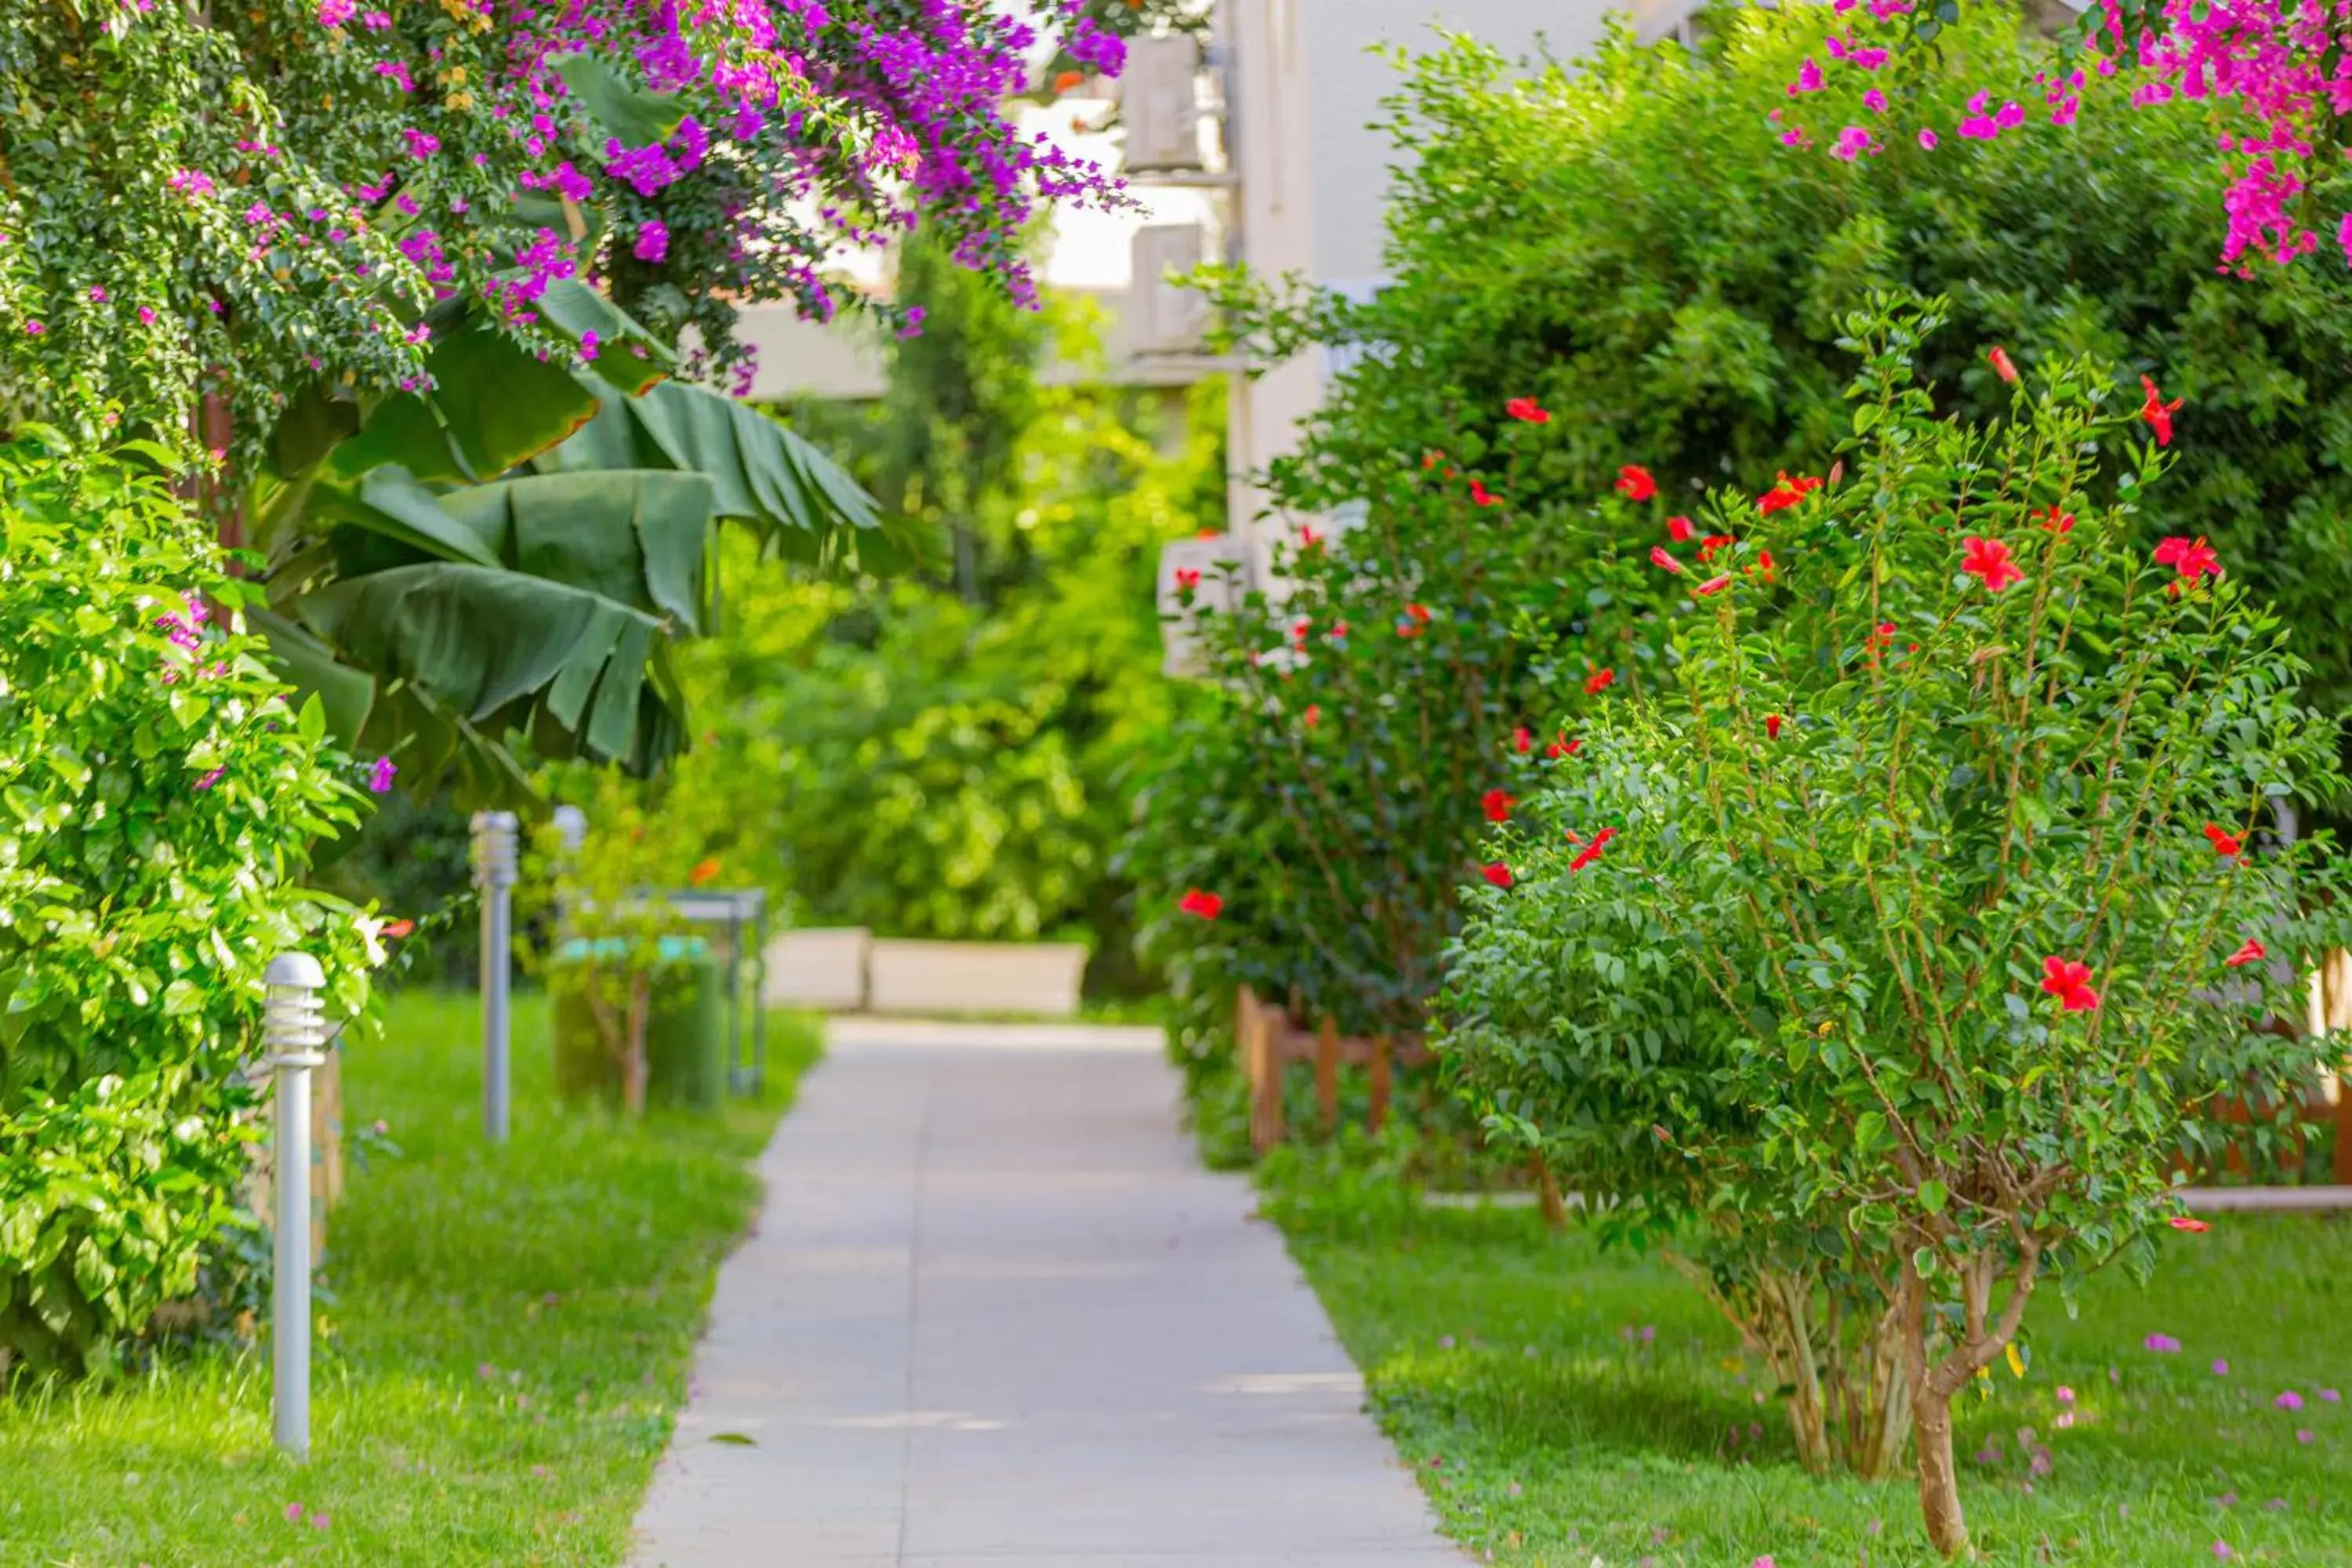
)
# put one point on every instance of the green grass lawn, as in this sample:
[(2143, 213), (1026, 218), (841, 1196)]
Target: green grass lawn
[(1566, 1407), (510, 1340)]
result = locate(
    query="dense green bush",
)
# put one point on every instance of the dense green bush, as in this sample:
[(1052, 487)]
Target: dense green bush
[(1631, 243), (1887, 959), (158, 799), (1357, 730)]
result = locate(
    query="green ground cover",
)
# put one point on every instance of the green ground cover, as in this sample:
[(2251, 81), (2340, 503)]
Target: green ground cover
[(1564, 1408), (510, 1340)]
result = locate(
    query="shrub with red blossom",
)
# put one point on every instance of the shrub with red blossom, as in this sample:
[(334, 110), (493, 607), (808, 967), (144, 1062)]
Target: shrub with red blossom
[(1938, 911)]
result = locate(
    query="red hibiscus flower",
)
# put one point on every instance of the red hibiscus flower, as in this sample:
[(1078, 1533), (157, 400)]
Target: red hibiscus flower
[(1664, 558), (1772, 726), (1787, 493), (1068, 79), (1990, 559), (2192, 558), (1188, 578), (1523, 739), (2159, 413), (1599, 681), (1527, 409), (1681, 530), (1498, 874), (704, 873), (1713, 585), (1498, 803), (1314, 714), (2188, 1223), (2224, 843), (1591, 852), (2247, 953), (1310, 537), (1764, 564), (1634, 483), (1564, 747), (398, 927), (1415, 618), (1479, 493), (2001, 364), (2056, 521), (2071, 982), (1208, 906), (1298, 631), (1713, 542)]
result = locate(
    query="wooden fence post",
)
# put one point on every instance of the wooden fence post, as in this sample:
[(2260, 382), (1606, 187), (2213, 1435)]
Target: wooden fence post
[(1327, 1076), (1378, 1116), (1262, 1067)]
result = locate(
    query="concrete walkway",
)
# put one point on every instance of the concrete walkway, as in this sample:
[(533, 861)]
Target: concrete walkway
[(996, 1316)]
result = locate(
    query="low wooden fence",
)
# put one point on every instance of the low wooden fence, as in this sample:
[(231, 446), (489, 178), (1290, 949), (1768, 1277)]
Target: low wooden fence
[(1269, 1040)]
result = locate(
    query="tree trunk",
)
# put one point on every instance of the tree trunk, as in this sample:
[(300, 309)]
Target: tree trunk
[(634, 1071), (1939, 1482)]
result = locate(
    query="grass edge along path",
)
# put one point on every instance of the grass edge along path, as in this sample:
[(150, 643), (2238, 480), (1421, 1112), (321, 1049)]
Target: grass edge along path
[(501, 1367), (1563, 1406)]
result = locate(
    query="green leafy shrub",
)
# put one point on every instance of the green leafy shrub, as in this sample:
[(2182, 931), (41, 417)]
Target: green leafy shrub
[(1361, 725), (1631, 242), (158, 799), (1886, 958)]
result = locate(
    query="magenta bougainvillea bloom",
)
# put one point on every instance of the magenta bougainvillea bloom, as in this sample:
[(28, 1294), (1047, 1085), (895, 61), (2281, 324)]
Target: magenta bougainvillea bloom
[(381, 774)]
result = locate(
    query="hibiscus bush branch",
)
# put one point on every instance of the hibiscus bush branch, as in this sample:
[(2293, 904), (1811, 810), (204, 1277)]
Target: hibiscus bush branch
[(1373, 711), (1912, 932)]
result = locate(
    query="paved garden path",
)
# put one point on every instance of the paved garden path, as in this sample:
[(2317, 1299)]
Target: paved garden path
[(996, 1316)]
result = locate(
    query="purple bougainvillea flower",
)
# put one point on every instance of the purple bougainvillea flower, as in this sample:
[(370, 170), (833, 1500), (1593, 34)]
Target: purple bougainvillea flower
[(381, 776), (2162, 1344)]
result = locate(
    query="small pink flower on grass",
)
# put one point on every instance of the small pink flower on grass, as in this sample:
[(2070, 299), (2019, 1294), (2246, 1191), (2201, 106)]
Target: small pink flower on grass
[(2221, 1369), (2303, 1435), (1927, 139), (2289, 1400), (320, 1522), (2066, 1395), (2162, 1344), (2329, 1397), (293, 1513), (2222, 1550)]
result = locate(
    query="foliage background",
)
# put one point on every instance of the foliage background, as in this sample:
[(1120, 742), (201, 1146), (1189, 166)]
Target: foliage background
[(954, 755), (1633, 244)]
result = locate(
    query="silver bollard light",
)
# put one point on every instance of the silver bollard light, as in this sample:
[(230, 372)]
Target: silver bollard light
[(294, 1026), (495, 833)]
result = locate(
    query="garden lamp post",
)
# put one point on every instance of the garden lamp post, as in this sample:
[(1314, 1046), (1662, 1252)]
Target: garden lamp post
[(294, 1030), (494, 874)]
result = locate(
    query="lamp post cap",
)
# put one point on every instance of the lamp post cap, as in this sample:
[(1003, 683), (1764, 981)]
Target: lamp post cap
[(296, 969)]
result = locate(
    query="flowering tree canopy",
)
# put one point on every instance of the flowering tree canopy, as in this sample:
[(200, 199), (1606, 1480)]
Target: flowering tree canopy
[(252, 198), (2278, 67)]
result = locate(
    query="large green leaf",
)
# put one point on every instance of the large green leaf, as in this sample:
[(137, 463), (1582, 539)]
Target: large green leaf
[(388, 501), (495, 647), (500, 404), (630, 115), (347, 695), (633, 536)]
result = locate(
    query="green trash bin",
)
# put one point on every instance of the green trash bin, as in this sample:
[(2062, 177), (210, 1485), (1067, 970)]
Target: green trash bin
[(686, 1028)]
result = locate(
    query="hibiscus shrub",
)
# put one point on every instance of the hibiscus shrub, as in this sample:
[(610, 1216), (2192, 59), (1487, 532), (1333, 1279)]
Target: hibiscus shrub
[(158, 801), (1877, 968), (1315, 811)]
